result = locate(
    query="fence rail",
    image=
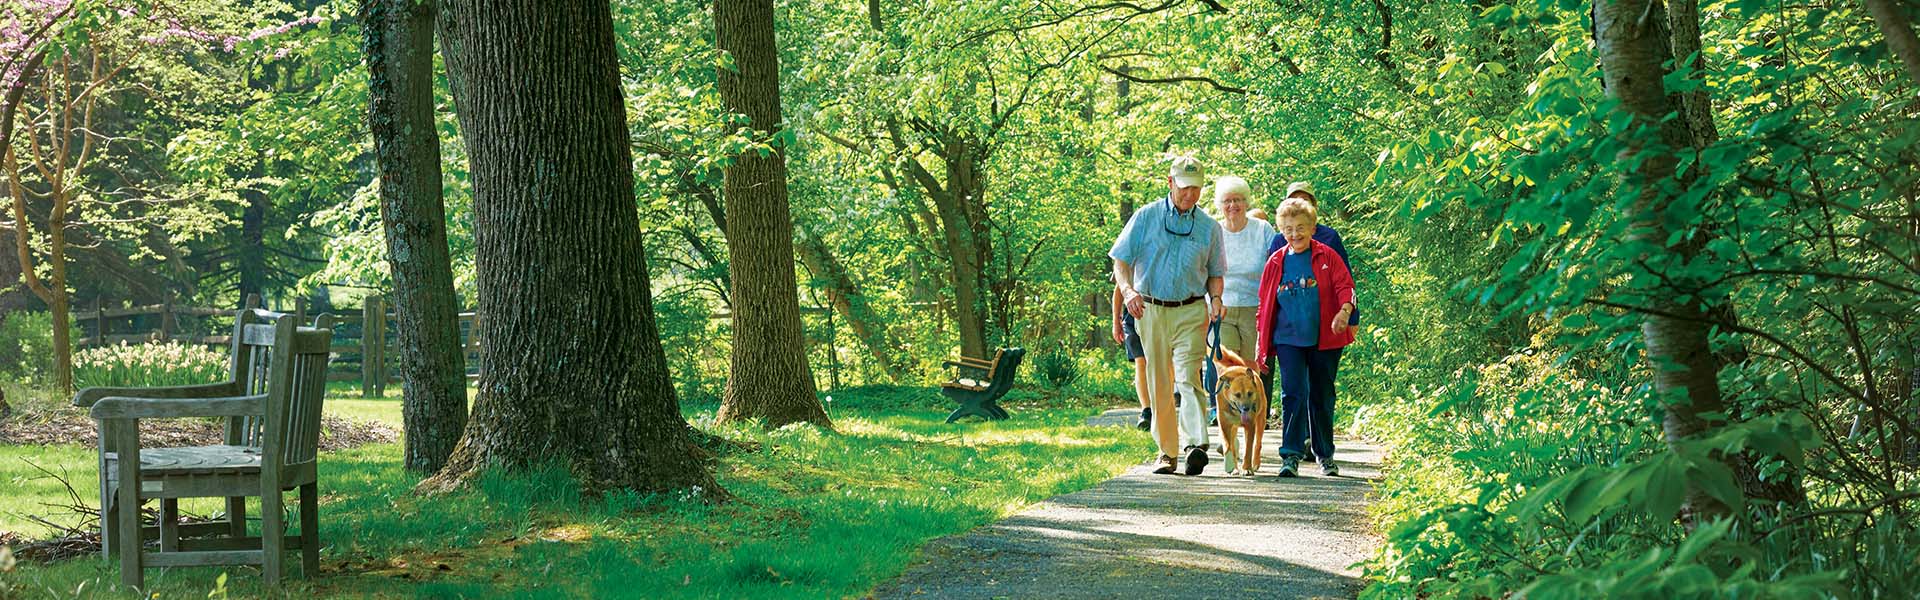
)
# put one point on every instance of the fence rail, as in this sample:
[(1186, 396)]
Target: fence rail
[(362, 343)]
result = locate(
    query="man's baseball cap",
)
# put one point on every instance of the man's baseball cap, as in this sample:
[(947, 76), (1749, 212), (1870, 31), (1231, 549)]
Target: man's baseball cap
[(1187, 172), (1300, 186)]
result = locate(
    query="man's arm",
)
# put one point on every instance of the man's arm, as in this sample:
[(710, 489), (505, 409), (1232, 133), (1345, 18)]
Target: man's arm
[(1123, 285)]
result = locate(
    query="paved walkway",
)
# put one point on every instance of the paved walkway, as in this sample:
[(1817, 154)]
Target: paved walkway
[(1142, 535)]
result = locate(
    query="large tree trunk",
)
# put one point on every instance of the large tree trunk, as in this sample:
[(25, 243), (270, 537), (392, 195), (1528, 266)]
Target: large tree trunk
[(847, 299), (770, 379), (575, 372), (1633, 43), (399, 51)]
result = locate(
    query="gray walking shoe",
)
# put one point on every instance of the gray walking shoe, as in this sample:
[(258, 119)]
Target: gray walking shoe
[(1290, 466), (1328, 468)]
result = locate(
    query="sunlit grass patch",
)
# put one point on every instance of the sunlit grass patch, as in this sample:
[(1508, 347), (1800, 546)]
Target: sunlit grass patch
[(815, 514)]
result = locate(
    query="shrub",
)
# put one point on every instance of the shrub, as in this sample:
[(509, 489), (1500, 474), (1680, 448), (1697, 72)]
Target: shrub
[(149, 364), (1056, 368), (26, 347)]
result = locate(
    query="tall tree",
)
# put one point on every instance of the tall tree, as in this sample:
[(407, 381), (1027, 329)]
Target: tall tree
[(399, 52), (1633, 40), (575, 371), (60, 142), (770, 379)]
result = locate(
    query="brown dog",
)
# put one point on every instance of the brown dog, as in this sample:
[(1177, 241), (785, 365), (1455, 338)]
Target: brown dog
[(1243, 406)]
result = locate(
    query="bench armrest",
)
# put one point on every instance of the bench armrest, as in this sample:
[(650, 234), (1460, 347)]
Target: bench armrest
[(125, 407), (89, 396)]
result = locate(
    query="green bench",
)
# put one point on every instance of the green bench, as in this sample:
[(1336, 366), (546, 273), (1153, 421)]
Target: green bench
[(978, 384)]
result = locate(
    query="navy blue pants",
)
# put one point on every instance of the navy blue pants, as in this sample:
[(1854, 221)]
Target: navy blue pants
[(1306, 399)]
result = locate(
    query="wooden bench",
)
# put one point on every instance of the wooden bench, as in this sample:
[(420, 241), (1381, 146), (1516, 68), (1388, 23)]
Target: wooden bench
[(271, 403), (978, 384)]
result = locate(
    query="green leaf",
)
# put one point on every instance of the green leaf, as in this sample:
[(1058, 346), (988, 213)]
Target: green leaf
[(1666, 488)]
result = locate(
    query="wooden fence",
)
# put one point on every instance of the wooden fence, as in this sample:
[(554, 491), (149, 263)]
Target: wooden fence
[(362, 342)]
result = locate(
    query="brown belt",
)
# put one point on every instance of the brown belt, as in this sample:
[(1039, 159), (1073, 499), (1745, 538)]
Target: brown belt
[(1170, 303)]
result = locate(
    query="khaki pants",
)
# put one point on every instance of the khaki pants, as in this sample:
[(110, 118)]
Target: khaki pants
[(1175, 339), (1239, 332)]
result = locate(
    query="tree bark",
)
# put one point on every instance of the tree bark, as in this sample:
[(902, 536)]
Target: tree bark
[(1632, 39), (847, 299), (1696, 108), (959, 204), (962, 213), (1897, 28), (1696, 105), (250, 259), (770, 379), (575, 372), (53, 289), (399, 52)]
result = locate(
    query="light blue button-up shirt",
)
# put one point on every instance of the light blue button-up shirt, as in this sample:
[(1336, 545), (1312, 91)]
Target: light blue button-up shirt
[(1172, 254)]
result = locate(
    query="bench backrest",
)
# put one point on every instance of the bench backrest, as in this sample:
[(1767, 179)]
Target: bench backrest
[(273, 355), (1005, 363)]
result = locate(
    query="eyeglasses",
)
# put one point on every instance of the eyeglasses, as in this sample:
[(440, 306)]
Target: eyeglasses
[(1174, 215)]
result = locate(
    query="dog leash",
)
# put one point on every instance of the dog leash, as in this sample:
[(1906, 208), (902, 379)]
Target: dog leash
[(1211, 379)]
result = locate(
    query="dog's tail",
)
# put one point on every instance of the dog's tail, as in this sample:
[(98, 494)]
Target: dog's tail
[(1228, 358)]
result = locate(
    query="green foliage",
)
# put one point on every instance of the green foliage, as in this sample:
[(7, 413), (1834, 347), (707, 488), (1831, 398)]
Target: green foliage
[(1534, 464), (1056, 367), (26, 347), (1470, 161), (151, 364)]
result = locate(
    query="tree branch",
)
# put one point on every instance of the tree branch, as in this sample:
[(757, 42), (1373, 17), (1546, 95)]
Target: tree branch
[(1179, 79)]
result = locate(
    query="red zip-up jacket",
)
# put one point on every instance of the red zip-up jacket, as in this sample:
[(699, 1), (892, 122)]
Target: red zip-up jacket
[(1335, 283)]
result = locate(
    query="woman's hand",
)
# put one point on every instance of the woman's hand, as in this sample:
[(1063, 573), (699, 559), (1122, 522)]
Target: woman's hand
[(1119, 336), (1340, 318)]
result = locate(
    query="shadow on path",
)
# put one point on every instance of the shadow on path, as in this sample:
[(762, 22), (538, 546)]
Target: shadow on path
[(1142, 535)]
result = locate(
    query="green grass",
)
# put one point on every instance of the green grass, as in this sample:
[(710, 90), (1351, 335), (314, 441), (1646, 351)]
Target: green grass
[(344, 400), (29, 490), (816, 514)]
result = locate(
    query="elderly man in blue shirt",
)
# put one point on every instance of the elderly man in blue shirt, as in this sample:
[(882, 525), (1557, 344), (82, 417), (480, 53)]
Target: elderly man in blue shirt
[(1168, 263)]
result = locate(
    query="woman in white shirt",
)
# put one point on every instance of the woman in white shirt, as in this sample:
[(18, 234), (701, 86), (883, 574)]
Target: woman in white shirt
[(1246, 241)]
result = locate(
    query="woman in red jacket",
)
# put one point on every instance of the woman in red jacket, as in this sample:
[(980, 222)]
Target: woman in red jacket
[(1306, 296)]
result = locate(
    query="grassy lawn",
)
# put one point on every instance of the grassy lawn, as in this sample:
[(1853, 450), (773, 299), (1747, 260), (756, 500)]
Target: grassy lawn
[(816, 515)]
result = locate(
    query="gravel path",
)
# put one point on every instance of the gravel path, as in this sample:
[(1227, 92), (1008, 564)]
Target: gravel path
[(1142, 535)]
